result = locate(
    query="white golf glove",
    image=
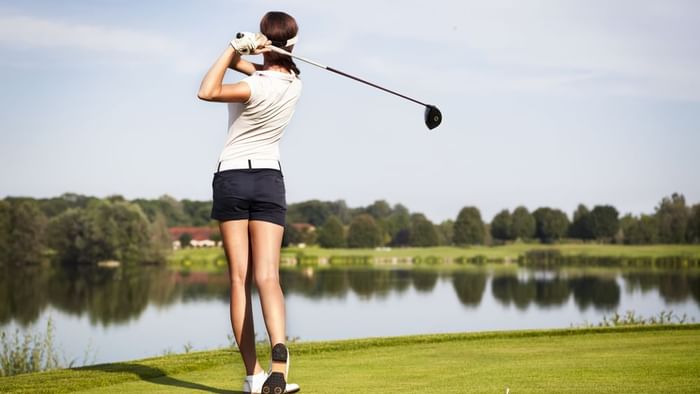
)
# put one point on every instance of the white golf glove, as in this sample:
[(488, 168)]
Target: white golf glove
[(246, 43)]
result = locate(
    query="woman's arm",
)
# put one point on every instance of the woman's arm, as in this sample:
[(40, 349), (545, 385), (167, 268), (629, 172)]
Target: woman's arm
[(213, 88), (244, 66)]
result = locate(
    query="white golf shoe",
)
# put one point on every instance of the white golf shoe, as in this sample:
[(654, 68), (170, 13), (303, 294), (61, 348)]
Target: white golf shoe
[(253, 384)]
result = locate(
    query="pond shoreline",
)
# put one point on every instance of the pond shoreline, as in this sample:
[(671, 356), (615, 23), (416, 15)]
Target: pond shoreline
[(521, 254)]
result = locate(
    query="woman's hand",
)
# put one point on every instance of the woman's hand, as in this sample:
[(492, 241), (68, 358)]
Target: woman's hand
[(262, 44), (247, 43)]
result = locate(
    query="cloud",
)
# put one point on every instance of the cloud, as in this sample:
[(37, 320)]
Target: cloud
[(119, 44), (640, 48)]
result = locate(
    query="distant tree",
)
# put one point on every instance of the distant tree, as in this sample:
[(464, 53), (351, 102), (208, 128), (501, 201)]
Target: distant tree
[(445, 232), (185, 240), (398, 225), (27, 225), (340, 209), (332, 233), (605, 222), (582, 225), (364, 232), (402, 238), (291, 235), (672, 218), (103, 231), (169, 207), (642, 230), (523, 224), (422, 231), (161, 243), (197, 212), (469, 228), (501, 226), (214, 233), (5, 230), (550, 224), (67, 235), (315, 212), (379, 209), (56, 205), (115, 198), (694, 224)]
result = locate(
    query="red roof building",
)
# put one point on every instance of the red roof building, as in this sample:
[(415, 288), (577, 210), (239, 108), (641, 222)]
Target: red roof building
[(197, 233)]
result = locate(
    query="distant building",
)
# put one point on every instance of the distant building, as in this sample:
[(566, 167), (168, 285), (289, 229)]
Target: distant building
[(304, 227), (200, 236)]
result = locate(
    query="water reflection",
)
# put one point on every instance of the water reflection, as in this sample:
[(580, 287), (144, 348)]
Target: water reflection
[(469, 286), (114, 296)]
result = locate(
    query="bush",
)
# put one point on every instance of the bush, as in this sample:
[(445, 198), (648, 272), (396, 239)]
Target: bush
[(28, 352)]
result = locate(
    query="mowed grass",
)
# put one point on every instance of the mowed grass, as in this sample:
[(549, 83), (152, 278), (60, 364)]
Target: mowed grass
[(501, 253), (637, 359)]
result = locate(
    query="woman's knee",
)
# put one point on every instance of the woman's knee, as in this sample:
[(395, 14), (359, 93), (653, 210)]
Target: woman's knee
[(239, 279), (266, 279)]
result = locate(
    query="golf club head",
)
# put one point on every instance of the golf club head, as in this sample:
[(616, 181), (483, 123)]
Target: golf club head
[(433, 116)]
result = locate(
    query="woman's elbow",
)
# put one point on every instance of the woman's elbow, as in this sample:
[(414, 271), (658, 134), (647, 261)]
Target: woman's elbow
[(206, 96)]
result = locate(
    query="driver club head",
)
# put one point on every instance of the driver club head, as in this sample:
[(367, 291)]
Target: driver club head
[(433, 116)]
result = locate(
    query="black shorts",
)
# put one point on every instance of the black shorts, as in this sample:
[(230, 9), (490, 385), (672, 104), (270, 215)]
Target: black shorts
[(253, 194)]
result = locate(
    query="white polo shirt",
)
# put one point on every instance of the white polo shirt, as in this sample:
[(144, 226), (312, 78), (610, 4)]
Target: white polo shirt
[(256, 126)]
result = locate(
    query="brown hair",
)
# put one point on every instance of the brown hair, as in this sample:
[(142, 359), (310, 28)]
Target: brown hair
[(279, 27)]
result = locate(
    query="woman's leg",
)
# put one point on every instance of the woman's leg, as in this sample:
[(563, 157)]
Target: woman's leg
[(234, 234), (266, 240)]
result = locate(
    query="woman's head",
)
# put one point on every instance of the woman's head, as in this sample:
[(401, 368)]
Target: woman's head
[(279, 27)]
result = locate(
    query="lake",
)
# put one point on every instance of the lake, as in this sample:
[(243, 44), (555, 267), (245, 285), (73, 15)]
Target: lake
[(134, 312)]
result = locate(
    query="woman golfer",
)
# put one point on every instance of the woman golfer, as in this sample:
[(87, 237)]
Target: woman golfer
[(248, 187)]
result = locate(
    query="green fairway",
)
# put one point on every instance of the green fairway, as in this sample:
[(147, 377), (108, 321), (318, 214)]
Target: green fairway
[(212, 259), (629, 359)]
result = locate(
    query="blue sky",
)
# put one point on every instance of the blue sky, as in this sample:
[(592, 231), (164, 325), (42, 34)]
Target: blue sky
[(545, 103)]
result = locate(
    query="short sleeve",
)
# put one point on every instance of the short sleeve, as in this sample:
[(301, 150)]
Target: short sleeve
[(254, 83)]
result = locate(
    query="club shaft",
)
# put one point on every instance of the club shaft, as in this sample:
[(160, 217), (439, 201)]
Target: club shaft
[(331, 69)]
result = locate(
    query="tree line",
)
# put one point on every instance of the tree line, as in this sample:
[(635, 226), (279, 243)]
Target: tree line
[(380, 224), (76, 228), (80, 229)]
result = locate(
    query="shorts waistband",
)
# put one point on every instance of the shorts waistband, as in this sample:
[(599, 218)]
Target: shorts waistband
[(240, 164)]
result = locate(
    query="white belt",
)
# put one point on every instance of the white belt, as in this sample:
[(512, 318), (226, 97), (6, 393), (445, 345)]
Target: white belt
[(245, 163)]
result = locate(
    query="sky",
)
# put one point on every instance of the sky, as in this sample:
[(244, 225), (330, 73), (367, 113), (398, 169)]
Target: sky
[(545, 103)]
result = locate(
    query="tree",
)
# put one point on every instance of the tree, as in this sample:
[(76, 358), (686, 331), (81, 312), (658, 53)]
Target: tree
[(5, 230), (364, 232), (197, 212), (550, 224), (694, 224), (445, 232), (672, 219), (469, 228), (160, 241), (315, 212), (26, 236), (291, 235), (332, 233), (523, 224), (173, 211), (185, 240), (398, 225), (501, 226), (642, 230), (604, 222), (582, 225), (422, 231), (340, 209), (103, 231), (379, 209), (67, 235)]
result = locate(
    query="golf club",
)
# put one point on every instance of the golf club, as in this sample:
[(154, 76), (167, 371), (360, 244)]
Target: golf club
[(433, 117)]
